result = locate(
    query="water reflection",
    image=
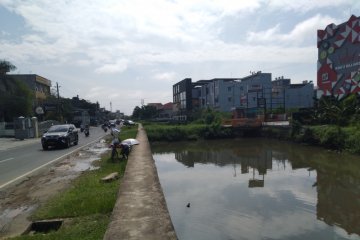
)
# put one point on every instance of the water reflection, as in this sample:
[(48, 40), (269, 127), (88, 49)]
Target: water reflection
[(275, 190)]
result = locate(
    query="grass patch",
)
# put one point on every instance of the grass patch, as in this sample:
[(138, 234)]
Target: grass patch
[(87, 204), (86, 196)]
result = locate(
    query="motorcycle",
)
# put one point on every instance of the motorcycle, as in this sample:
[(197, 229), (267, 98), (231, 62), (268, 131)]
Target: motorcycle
[(104, 127), (86, 131)]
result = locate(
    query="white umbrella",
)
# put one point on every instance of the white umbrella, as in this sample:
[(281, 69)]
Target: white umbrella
[(130, 141)]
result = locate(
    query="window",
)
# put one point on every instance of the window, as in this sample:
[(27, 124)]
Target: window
[(229, 99), (229, 89)]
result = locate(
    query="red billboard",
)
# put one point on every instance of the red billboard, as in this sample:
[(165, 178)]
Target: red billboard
[(338, 71)]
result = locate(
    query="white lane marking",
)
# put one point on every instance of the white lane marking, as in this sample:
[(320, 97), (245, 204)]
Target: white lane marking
[(48, 163), (5, 160)]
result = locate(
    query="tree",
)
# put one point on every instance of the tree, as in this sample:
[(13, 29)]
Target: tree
[(145, 112), (6, 67), (336, 111), (136, 112), (15, 101)]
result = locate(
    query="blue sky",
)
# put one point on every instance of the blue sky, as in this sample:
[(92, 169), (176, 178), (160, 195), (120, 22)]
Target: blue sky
[(124, 51)]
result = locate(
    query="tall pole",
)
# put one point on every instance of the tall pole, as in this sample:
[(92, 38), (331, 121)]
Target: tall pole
[(58, 101)]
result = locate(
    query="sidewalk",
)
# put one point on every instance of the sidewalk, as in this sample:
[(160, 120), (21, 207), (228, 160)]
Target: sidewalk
[(140, 211), (8, 143)]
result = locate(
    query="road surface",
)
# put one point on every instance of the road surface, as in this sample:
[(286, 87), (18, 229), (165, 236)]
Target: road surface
[(21, 161)]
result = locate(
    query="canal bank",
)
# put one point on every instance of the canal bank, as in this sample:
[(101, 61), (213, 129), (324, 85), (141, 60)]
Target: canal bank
[(140, 211)]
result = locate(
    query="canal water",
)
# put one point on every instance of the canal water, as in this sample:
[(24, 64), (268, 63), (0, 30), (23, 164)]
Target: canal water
[(259, 189)]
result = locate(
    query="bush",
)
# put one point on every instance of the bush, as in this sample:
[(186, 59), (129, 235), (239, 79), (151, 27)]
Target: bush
[(352, 143), (330, 136), (186, 132)]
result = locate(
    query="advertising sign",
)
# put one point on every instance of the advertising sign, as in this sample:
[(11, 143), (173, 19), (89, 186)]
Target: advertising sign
[(339, 58)]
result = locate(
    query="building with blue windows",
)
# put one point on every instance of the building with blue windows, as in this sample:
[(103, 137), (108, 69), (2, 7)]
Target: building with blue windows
[(256, 91)]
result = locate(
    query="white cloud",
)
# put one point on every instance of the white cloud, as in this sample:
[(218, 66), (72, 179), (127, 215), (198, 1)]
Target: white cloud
[(166, 76), (117, 67), (302, 31), (307, 5)]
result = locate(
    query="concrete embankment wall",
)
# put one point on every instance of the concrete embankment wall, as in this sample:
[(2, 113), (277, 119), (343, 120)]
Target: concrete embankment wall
[(140, 211)]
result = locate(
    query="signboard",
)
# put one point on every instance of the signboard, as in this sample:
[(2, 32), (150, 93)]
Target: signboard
[(39, 110), (50, 107), (339, 58)]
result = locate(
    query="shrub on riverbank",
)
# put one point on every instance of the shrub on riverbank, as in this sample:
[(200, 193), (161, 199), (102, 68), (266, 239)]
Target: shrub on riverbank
[(330, 136), (161, 132)]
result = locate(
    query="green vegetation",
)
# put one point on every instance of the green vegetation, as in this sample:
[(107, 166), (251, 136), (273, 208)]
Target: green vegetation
[(15, 96), (6, 66), (144, 112), (332, 124), (331, 136), (86, 196), (16, 100), (208, 126), (87, 204), (161, 132)]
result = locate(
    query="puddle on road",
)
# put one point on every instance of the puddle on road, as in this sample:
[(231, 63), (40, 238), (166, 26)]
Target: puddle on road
[(85, 165), (87, 156), (83, 160)]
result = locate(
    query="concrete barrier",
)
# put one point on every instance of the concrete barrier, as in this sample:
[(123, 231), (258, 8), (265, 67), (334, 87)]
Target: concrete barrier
[(140, 211)]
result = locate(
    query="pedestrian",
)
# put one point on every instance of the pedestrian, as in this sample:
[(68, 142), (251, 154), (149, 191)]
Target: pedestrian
[(125, 150)]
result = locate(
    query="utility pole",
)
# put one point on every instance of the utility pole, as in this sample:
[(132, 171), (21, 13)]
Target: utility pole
[(57, 90), (58, 102), (110, 107)]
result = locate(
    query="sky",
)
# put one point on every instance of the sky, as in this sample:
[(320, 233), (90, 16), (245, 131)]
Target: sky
[(122, 53)]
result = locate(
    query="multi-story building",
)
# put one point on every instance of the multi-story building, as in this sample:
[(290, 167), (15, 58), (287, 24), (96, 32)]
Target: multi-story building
[(339, 59), (285, 95), (182, 99), (39, 85), (225, 94), (253, 93)]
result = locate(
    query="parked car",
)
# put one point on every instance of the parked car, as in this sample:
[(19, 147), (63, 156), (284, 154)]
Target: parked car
[(60, 135), (129, 122)]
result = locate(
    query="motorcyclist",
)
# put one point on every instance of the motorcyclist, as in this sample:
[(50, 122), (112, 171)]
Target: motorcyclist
[(115, 133), (87, 129)]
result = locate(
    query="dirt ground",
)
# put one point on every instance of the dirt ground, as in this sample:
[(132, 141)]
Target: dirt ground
[(19, 201)]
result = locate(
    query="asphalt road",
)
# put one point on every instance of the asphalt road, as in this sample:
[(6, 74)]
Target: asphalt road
[(17, 163)]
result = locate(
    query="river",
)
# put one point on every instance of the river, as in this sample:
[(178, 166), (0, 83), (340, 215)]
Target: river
[(258, 188)]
